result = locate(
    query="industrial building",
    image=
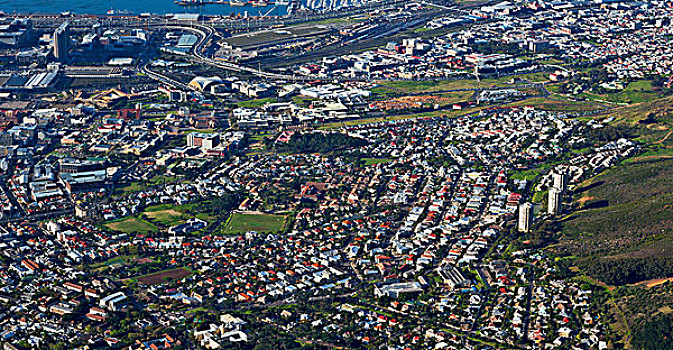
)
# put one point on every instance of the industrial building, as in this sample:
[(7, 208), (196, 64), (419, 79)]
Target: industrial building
[(78, 175), (16, 32)]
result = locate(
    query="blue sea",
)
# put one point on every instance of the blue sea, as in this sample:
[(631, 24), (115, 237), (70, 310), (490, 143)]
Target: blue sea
[(101, 7)]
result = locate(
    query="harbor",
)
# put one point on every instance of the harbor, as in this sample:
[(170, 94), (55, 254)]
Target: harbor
[(321, 6), (265, 8), (150, 7), (236, 3)]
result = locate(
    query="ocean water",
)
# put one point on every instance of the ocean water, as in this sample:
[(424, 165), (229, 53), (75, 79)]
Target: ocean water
[(101, 7)]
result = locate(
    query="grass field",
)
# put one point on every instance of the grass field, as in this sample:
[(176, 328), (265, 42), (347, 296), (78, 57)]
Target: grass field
[(637, 112), (168, 217), (651, 121), (529, 174), (241, 223), (131, 225), (131, 187), (261, 136), (123, 259), (302, 101), (412, 86), (635, 92), (200, 131), (164, 276), (540, 196), (654, 153), (440, 99), (409, 86), (160, 179), (550, 60), (422, 29), (432, 114), (374, 161), (560, 104), (255, 103), (140, 185)]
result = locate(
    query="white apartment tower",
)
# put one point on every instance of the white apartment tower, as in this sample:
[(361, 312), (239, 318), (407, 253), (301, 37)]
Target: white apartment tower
[(525, 217), (560, 181), (554, 201)]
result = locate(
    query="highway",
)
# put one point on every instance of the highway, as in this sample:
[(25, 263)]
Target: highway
[(160, 77), (205, 34)]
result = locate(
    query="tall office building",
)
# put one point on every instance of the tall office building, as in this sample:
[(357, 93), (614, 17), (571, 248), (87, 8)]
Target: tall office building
[(560, 181), (554, 201), (525, 217), (62, 42)]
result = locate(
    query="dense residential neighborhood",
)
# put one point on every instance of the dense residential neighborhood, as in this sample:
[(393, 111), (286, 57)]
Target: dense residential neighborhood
[(417, 234), (338, 175)]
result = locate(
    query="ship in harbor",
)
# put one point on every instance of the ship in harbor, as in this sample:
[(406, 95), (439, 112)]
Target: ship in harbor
[(190, 2), (333, 5), (290, 4), (112, 12)]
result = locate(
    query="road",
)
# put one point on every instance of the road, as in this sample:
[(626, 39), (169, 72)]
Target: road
[(205, 34), (529, 301), (144, 68), (3, 185)]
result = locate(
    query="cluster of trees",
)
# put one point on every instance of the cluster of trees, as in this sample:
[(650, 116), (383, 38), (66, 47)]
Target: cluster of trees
[(543, 234), (492, 47), (660, 82), (192, 172), (621, 271), (222, 205), (656, 117), (319, 143), (585, 81), (562, 268), (656, 334), (605, 134), (608, 133)]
